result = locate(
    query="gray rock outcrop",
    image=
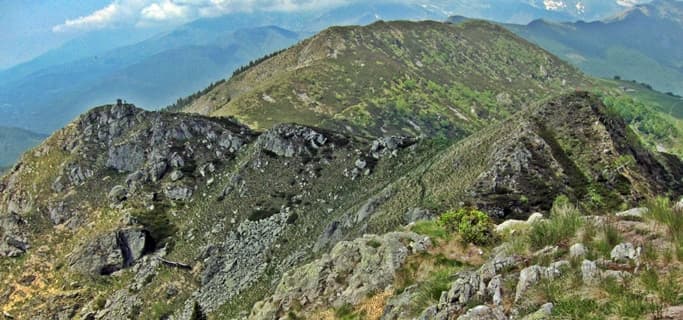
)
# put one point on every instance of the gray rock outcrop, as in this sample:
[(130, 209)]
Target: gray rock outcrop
[(13, 240), (111, 252), (351, 272)]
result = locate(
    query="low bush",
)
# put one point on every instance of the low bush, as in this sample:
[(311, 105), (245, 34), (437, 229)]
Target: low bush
[(472, 225)]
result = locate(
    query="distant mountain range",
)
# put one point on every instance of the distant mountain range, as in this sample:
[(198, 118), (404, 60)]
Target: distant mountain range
[(644, 43), (44, 94), (47, 92), (524, 11), (13, 142)]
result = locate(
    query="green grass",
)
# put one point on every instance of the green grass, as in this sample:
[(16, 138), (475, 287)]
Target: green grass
[(565, 220), (607, 238), (432, 229), (429, 291), (662, 211)]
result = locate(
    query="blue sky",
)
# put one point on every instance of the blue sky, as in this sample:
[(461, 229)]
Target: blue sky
[(31, 27), (26, 25)]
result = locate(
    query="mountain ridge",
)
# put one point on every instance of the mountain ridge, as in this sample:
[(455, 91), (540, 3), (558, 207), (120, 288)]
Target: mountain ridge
[(164, 178), (361, 52)]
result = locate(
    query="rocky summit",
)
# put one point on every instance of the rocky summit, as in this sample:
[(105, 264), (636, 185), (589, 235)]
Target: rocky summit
[(400, 170)]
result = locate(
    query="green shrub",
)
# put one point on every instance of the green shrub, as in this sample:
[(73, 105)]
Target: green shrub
[(374, 243), (473, 225)]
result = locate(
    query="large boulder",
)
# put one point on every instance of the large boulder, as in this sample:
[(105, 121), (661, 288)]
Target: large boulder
[(291, 140), (13, 241), (625, 252), (483, 312), (111, 252)]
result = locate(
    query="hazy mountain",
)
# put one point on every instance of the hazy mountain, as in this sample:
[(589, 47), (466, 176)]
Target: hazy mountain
[(14, 142), (154, 72), (643, 44), (525, 11), (87, 45)]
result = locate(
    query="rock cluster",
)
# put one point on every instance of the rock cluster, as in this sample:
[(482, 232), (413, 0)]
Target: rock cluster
[(484, 284), (291, 140), (351, 272), (236, 263)]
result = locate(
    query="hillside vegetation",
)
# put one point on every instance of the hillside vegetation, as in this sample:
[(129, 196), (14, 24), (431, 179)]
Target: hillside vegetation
[(415, 78)]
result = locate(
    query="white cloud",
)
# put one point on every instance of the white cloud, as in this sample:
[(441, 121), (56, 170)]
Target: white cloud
[(95, 20), (554, 5), (146, 12), (167, 10), (628, 3)]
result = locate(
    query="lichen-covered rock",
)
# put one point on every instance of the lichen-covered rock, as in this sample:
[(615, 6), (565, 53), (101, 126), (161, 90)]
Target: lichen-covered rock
[(530, 276), (118, 194), (625, 252), (544, 313), (351, 272), (679, 205), (178, 192), (13, 240), (291, 140), (483, 313), (633, 214), (390, 145), (126, 157), (398, 307), (590, 272), (577, 250), (482, 285)]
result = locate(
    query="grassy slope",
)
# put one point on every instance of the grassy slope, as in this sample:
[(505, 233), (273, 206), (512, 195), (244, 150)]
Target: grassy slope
[(397, 77), (663, 110), (567, 126)]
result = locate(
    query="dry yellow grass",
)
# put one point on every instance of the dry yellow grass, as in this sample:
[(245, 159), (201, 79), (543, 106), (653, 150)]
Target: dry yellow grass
[(373, 307)]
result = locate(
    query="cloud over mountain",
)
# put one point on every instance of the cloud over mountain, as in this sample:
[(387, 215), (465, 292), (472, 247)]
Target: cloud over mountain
[(145, 12)]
